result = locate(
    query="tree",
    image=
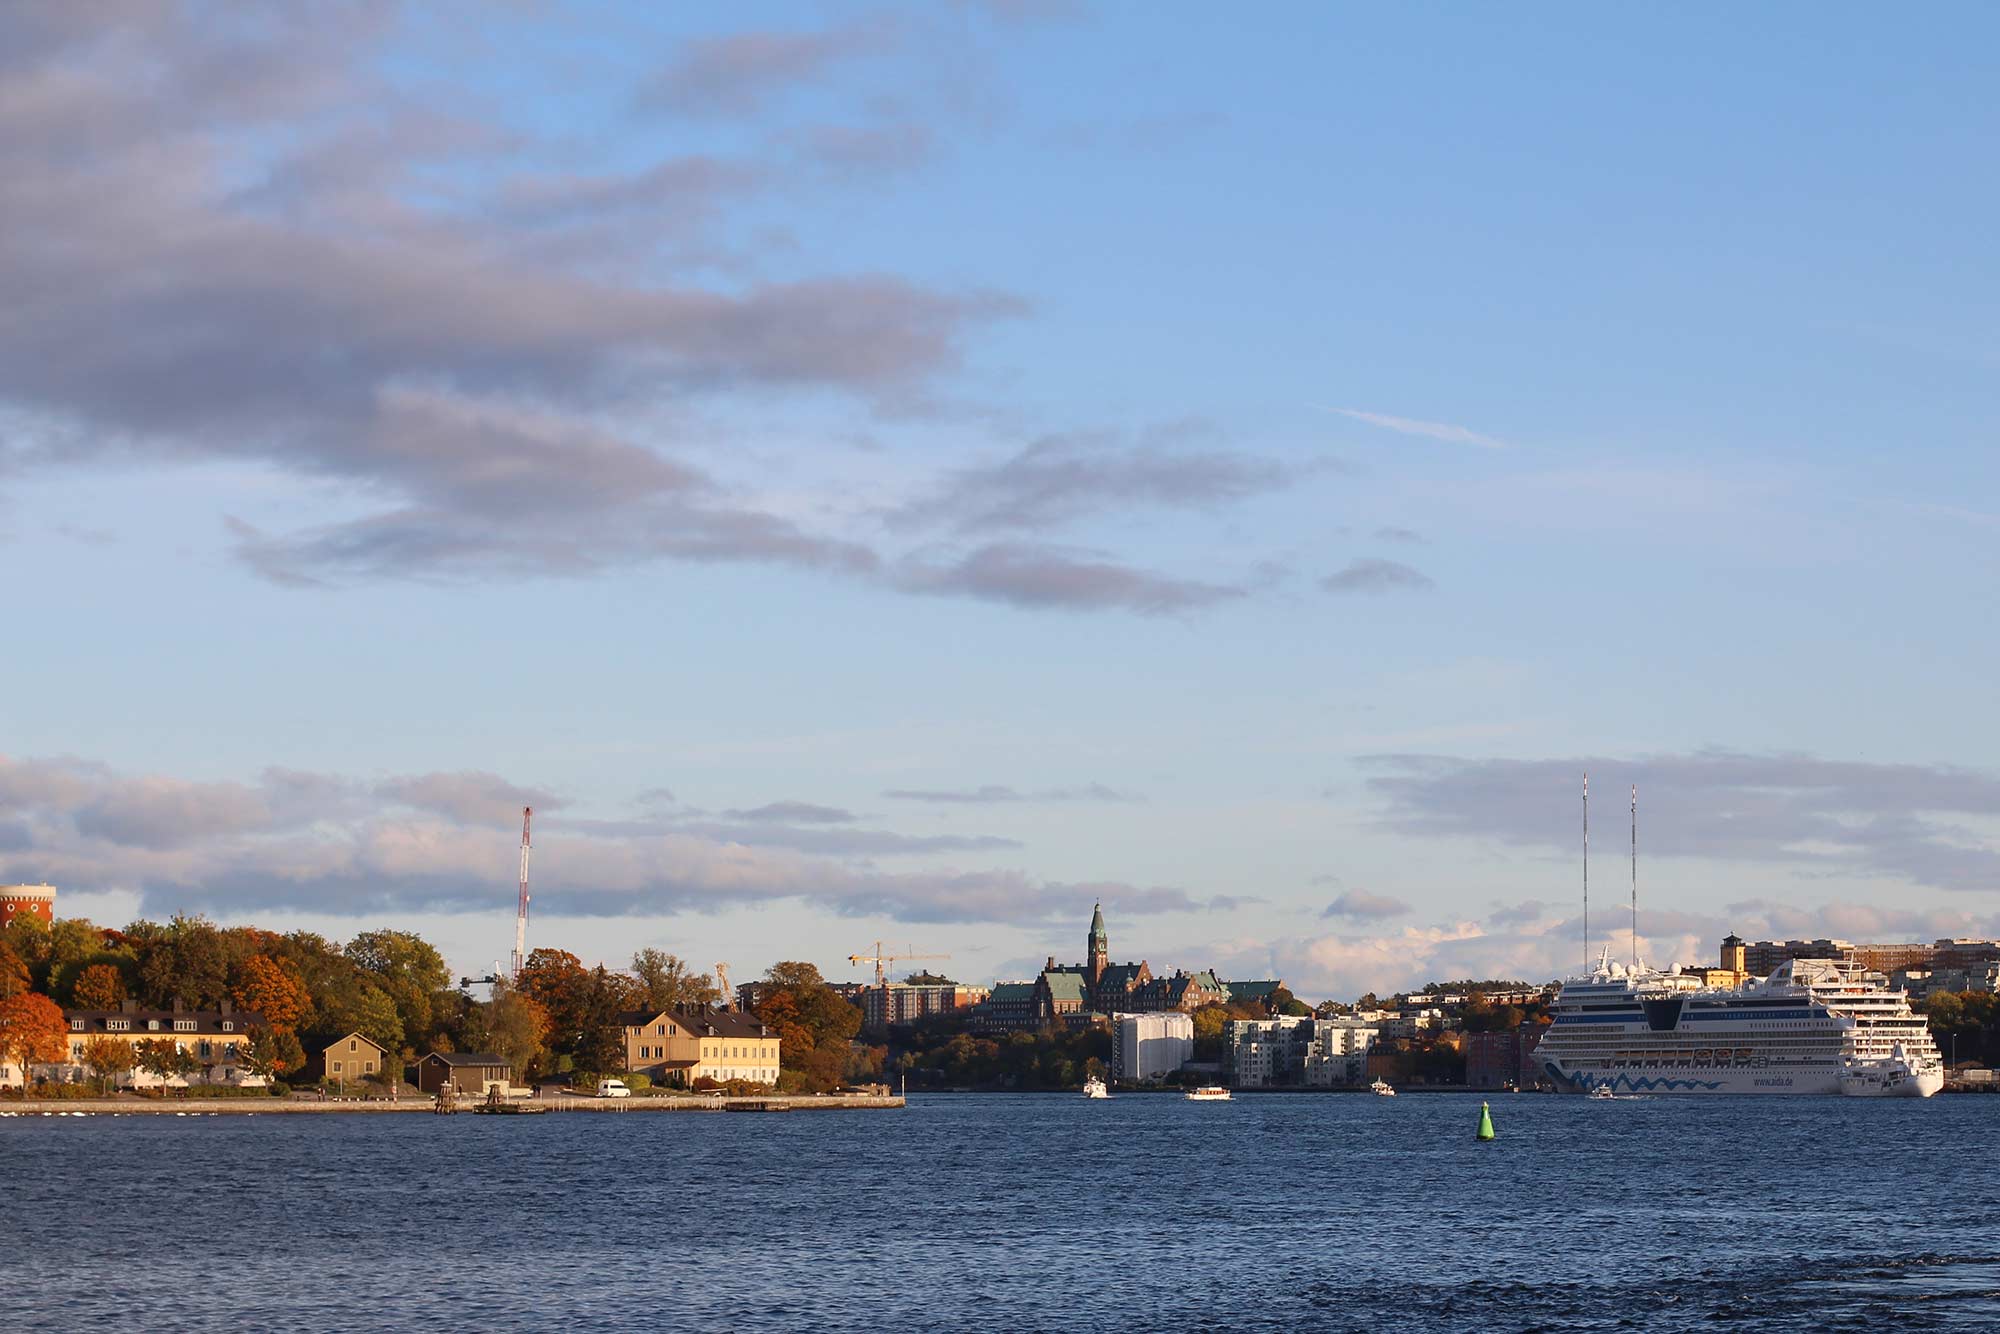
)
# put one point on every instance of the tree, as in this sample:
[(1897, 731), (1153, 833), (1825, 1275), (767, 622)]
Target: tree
[(516, 1030), (14, 977), (187, 959), (106, 1059), (599, 1044), (669, 984), (272, 1052), (273, 989), (1283, 1002), (366, 1009), (409, 970), (100, 986), (32, 1032), (165, 1058), (814, 1026)]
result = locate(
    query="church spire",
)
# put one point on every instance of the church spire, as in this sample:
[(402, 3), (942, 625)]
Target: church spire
[(1100, 946)]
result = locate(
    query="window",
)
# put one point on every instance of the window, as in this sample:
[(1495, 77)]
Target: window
[(367, 1067), (152, 1025), (338, 1068), (228, 1026), (352, 1045), (183, 1025), (76, 1025), (118, 1025)]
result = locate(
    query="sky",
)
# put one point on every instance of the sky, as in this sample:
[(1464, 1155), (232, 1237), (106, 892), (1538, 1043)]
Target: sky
[(909, 474)]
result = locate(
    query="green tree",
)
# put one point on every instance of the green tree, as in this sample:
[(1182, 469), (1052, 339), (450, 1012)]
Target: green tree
[(668, 983), (166, 1059), (188, 959), (410, 971), (32, 1032), (517, 1031), (273, 1053), (364, 1008)]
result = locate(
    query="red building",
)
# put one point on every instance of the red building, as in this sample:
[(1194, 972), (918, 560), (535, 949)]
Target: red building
[(35, 900)]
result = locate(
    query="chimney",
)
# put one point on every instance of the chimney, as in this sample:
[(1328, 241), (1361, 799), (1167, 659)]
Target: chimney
[(128, 1006), (180, 1006), (227, 1008), (1050, 966)]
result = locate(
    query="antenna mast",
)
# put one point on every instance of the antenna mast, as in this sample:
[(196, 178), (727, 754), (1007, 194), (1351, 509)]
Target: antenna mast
[(1635, 877), (1586, 875), (521, 912)]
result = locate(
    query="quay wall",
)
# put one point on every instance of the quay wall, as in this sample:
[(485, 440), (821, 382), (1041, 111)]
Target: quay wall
[(332, 1107)]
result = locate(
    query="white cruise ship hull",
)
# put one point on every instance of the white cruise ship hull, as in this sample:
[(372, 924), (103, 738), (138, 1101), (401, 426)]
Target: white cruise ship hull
[(1695, 1080)]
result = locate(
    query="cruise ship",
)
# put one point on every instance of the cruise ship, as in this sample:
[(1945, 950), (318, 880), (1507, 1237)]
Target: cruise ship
[(1812, 1026)]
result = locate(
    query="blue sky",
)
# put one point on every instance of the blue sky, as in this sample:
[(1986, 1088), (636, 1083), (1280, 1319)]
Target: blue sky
[(913, 472)]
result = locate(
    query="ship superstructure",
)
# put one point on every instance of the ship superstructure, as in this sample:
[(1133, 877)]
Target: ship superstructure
[(1812, 1026)]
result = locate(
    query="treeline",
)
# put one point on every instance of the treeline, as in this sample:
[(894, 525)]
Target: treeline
[(557, 1017), (1966, 1025)]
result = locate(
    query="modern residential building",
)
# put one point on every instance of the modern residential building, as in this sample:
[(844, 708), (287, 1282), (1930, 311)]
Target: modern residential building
[(1297, 1053), (1922, 982), (1148, 1047), (473, 1072), (217, 1039), (678, 1047), (345, 1060), (907, 1002), (1759, 959), (32, 900)]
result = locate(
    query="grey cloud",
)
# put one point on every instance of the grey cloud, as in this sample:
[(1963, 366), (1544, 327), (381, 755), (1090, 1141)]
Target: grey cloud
[(1919, 823), (793, 812), (1519, 914), (863, 150), (737, 74), (469, 797), (1398, 535), (1060, 478), (1360, 906), (992, 794), (1040, 576), (1373, 575)]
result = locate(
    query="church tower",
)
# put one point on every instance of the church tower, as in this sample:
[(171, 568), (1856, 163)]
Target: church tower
[(1100, 948)]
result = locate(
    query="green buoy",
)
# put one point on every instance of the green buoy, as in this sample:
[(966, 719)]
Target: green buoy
[(1485, 1122)]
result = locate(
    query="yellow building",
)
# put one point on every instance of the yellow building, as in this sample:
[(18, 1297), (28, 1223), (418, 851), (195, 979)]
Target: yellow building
[(679, 1047), (217, 1039)]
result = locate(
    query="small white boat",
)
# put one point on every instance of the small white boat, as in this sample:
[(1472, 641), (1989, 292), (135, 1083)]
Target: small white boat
[(1602, 1091), (1381, 1088), (1094, 1088), (1208, 1093), (1896, 1077)]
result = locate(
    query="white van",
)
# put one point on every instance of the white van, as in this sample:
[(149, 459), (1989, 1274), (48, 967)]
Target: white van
[(612, 1088)]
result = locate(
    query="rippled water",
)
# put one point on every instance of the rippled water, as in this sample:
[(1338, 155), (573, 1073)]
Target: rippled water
[(1022, 1212)]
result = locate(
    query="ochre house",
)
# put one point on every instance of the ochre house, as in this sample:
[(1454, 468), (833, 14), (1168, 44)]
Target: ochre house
[(465, 1071), (345, 1060), (218, 1039), (680, 1046)]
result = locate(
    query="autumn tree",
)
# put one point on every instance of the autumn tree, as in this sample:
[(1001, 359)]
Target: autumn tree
[(272, 1053), (273, 989), (32, 1032), (815, 1027), (668, 982), (165, 1058), (106, 1059), (100, 986), (187, 959), (14, 977), (516, 1030)]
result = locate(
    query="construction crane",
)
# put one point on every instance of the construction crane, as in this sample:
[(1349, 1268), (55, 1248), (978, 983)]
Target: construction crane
[(878, 958), (728, 996), (521, 912)]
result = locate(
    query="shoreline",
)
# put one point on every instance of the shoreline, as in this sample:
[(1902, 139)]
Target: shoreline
[(39, 1107)]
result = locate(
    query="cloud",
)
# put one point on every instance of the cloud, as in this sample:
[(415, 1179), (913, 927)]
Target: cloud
[(1041, 576), (739, 73), (1923, 824), (300, 842), (1360, 906), (1457, 435), (993, 794), (1398, 535), (1061, 478), (793, 812), (1372, 575)]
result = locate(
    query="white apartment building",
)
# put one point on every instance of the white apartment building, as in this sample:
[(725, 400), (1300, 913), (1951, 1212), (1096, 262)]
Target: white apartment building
[(1151, 1046), (1298, 1053)]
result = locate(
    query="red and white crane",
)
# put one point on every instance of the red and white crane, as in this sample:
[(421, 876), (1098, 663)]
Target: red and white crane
[(521, 913)]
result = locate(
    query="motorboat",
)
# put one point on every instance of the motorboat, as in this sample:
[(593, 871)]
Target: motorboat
[(1382, 1088), (1208, 1093), (1094, 1088)]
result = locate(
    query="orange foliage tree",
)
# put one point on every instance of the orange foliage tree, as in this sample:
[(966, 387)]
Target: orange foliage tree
[(272, 988), (98, 987), (14, 977), (32, 1032)]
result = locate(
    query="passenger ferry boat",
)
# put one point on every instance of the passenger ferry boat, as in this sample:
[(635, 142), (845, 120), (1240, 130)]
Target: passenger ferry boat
[(1812, 1026), (1208, 1093)]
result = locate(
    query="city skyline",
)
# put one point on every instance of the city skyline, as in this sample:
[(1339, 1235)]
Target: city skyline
[(911, 473)]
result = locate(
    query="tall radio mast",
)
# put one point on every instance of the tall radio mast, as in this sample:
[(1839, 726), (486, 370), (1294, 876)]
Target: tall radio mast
[(1635, 877), (521, 913), (1586, 875)]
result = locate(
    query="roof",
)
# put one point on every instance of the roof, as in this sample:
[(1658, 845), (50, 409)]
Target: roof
[(1064, 986), (702, 1023), (335, 1042), (1123, 975), (147, 1022), (457, 1058), (1242, 991), (1016, 993)]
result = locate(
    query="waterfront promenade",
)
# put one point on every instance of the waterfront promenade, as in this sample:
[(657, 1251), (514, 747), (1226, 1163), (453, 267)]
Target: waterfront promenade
[(383, 1106)]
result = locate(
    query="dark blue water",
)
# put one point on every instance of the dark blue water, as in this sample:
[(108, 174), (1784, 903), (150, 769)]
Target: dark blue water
[(1024, 1212)]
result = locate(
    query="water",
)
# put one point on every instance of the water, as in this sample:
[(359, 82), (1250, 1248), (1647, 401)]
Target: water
[(1023, 1212)]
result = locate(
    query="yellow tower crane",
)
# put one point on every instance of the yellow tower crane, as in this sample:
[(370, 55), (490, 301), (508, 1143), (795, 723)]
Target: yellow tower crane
[(881, 957)]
